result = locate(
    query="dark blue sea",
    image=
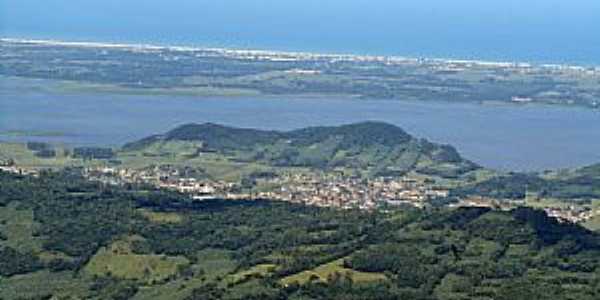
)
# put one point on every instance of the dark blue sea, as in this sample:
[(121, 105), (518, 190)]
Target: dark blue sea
[(542, 31)]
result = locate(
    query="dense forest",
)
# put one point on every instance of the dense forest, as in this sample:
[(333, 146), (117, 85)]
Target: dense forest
[(580, 184), (64, 237)]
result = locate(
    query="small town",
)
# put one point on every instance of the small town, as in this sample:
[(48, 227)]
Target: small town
[(325, 190), (564, 214), (9, 166)]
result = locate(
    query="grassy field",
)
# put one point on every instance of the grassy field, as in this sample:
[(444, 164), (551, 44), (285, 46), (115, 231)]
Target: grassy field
[(161, 217), (182, 154), (480, 247), (176, 154), (593, 224), (18, 227), (322, 272), (198, 91), (212, 265), (451, 286), (260, 270), (38, 285), (215, 263), (119, 261), (534, 201), (26, 158)]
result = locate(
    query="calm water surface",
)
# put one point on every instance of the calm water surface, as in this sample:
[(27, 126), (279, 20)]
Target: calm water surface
[(552, 31), (499, 136)]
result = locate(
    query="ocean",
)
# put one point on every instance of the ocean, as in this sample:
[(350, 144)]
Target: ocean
[(549, 31)]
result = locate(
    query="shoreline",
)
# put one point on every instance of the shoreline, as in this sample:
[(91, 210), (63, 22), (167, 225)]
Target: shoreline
[(302, 55)]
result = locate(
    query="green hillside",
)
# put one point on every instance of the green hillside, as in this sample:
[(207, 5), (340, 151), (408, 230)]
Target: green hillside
[(373, 148), (62, 237)]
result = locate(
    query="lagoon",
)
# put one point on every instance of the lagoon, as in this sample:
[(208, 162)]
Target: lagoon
[(500, 136)]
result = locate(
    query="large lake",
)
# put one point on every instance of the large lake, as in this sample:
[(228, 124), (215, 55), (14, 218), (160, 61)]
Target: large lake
[(508, 137)]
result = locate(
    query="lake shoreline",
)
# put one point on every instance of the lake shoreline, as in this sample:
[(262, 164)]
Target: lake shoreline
[(495, 135), (56, 88)]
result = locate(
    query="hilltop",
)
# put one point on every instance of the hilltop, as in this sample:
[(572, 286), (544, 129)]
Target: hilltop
[(373, 148)]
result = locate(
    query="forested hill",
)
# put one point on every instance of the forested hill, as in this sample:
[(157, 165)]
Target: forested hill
[(581, 184), (382, 148), (62, 237)]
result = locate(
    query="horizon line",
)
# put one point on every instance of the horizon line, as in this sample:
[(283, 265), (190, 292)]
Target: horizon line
[(295, 54)]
